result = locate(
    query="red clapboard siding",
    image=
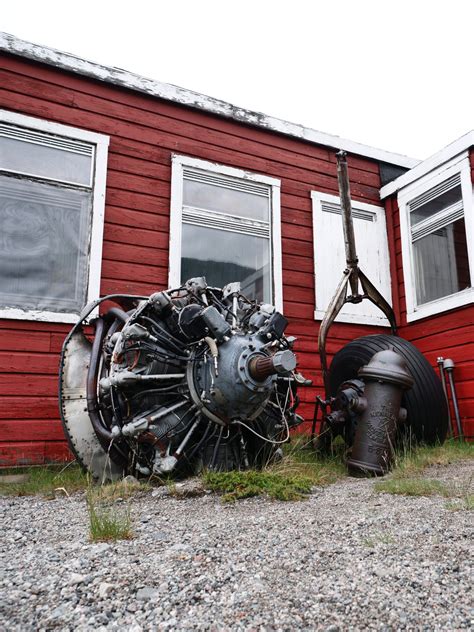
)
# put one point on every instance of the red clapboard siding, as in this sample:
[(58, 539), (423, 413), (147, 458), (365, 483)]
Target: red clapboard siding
[(449, 334), (44, 363), (31, 430), (144, 132), (33, 453)]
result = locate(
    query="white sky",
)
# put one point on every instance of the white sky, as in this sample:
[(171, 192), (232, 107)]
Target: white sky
[(395, 75)]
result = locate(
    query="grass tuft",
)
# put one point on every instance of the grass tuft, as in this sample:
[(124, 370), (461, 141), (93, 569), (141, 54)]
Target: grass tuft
[(406, 478), (465, 503), (410, 461), (379, 538), (49, 480), (121, 490), (413, 487), (107, 522)]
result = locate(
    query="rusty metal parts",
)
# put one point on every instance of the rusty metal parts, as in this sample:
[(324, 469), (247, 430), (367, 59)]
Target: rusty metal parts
[(188, 378)]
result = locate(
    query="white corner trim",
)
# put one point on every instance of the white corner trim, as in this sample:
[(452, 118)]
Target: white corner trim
[(458, 165), (176, 221), (178, 162), (424, 167), (98, 218), (72, 63), (276, 246)]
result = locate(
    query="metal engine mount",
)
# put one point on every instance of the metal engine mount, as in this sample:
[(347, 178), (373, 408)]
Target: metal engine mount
[(189, 378)]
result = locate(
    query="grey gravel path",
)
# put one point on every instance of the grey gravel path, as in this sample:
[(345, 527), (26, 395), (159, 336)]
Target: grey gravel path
[(347, 559)]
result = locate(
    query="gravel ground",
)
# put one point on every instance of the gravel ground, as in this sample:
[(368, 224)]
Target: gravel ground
[(347, 559)]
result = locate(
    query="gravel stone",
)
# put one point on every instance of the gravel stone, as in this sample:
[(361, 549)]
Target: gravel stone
[(348, 558), (147, 593), (105, 589)]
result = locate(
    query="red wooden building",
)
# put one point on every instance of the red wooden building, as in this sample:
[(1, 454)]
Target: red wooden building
[(110, 182)]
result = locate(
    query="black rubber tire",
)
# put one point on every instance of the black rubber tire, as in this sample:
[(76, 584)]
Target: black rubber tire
[(427, 413)]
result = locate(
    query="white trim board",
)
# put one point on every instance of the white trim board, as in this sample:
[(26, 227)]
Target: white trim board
[(422, 168), (72, 63)]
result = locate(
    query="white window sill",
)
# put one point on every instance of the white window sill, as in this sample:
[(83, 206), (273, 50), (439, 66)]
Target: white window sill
[(38, 315), (442, 305), (354, 319)]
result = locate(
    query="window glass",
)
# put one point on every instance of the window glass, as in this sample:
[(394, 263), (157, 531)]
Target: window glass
[(223, 256), (45, 161), (225, 200), (441, 262), (43, 245), (437, 204)]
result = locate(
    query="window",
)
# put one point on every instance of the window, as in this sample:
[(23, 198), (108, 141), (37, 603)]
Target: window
[(52, 189), (330, 257), (436, 221), (225, 225)]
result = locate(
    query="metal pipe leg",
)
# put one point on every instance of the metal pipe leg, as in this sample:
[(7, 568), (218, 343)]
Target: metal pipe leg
[(449, 366), (440, 362)]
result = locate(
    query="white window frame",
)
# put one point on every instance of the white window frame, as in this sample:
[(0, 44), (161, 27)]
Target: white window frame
[(99, 171), (320, 265), (178, 162), (458, 165)]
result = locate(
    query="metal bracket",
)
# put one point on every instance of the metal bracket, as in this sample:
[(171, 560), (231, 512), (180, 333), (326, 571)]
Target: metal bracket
[(352, 275)]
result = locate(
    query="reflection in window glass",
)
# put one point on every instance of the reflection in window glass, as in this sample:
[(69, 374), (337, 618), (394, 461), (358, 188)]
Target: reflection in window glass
[(43, 245), (437, 204), (43, 161), (441, 263), (225, 200), (224, 256)]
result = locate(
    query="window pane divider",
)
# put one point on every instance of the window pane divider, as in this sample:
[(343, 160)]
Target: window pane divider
[(223, 221), (80, 186), (439, 220)]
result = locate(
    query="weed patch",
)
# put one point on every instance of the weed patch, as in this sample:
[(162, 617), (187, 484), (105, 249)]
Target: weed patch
[(237, 485), (406, 478), (379, 539), (413, 487), (300, 459), (107, 522), (49, 480), (465, 503), (410, 461), (289, 479), (122, 489)]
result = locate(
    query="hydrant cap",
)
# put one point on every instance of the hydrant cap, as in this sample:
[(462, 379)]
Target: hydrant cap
[(388, 366)]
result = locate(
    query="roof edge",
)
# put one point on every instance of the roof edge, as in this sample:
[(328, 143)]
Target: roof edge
[(72, 63), (425, 166)]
